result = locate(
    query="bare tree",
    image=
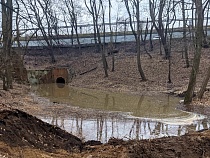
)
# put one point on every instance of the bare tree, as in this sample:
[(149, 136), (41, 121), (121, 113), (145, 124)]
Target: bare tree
[(111, 36), (96, 8), (17, 21), (157, 12), (170, 10), (73, 14), (105, 65), (185, 34), (205, 44), (136, 10), (66, 22), (144, 37), (204, 84), (44, 18), (205, 34), (6, 71), (197, 56)]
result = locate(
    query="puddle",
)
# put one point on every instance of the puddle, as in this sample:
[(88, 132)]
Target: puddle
[(103, 129), (145, 117)]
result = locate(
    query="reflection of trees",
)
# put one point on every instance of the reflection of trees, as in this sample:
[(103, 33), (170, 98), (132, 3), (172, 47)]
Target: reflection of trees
[(202, 124), (198, 125), (106, 127), (113, 101), (141, 99), (106, 131), (62, 123), (102, 128), (79, 124), (140, 105), (205, 124), (139, 129), (112, 135), (165, 106), (150, 131), (55, 120), (100, 124), (190, 128), (136, 128), (132, 129), (179, 130), (145, 127), (106, 101), (157, 129)]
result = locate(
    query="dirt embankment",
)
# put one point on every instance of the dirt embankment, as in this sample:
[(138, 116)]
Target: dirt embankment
[(22, 135), (19, 129)]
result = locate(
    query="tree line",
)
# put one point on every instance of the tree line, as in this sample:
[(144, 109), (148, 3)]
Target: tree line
[(46, 16)]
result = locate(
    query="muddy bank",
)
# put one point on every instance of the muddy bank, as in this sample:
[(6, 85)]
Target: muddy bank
[(18, 128), (188, 146)]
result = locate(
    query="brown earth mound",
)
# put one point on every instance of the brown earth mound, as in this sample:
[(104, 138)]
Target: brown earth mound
[(18, 128), (188, 146)]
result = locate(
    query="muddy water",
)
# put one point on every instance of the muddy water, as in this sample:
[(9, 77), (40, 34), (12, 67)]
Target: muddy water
[(142, 117)]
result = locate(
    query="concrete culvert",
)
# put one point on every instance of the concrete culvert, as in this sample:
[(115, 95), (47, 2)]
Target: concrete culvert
[(60, 80)]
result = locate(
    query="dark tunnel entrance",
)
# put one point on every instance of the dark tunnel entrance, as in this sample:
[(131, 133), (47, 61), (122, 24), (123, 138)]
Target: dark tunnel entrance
[(60, 81)]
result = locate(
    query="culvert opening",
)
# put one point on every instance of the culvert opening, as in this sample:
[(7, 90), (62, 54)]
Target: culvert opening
[(60, 80)]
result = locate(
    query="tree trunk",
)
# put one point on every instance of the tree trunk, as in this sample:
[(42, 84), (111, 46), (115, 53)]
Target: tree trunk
[(205, 32), (7, 43), (138, 44), (139, 62), (143, 39), (184, 35), (204, 84), (105, 65), (166, 46), (111, 36), (197, 56), (150, 38), (136, 35), (17, 25)]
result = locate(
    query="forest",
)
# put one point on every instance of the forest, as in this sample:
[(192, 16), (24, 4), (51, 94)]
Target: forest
[(35, 19), (114, 47)]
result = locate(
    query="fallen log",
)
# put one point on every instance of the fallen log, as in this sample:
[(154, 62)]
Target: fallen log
[(89, 70)]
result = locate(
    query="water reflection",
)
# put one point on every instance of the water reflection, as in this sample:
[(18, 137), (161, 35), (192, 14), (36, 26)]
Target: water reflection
[(144, 117), (60, 85), (103, 129), (161, 106)]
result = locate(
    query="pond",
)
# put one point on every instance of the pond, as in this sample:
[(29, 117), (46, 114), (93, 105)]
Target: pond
[(118, 115)]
